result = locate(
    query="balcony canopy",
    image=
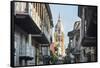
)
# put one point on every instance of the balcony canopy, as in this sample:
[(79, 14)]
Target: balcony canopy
[(25, 22)]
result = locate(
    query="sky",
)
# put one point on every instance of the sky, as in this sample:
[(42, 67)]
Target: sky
[(68, 15)]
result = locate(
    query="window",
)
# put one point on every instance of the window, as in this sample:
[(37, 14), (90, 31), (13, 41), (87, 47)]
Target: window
[(45, 50)]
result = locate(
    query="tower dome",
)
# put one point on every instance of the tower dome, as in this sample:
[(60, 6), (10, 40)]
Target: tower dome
[(59, 25)]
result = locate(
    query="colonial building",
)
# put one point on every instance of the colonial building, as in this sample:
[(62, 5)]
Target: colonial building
[(59, 38), (31, 31), (74, 42), (83, 38), (88, 31), (88, 28)]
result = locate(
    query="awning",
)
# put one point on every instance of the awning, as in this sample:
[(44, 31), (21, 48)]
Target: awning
[(25, 22)]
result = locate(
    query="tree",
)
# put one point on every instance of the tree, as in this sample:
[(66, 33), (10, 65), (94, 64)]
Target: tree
[(53, 58)]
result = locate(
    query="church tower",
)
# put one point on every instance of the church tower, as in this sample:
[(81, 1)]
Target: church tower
[(59, 38)]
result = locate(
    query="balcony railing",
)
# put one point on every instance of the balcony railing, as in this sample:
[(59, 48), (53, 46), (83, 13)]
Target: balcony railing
[(27, 51), (36, 18), (21, 8), (27, 8)]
